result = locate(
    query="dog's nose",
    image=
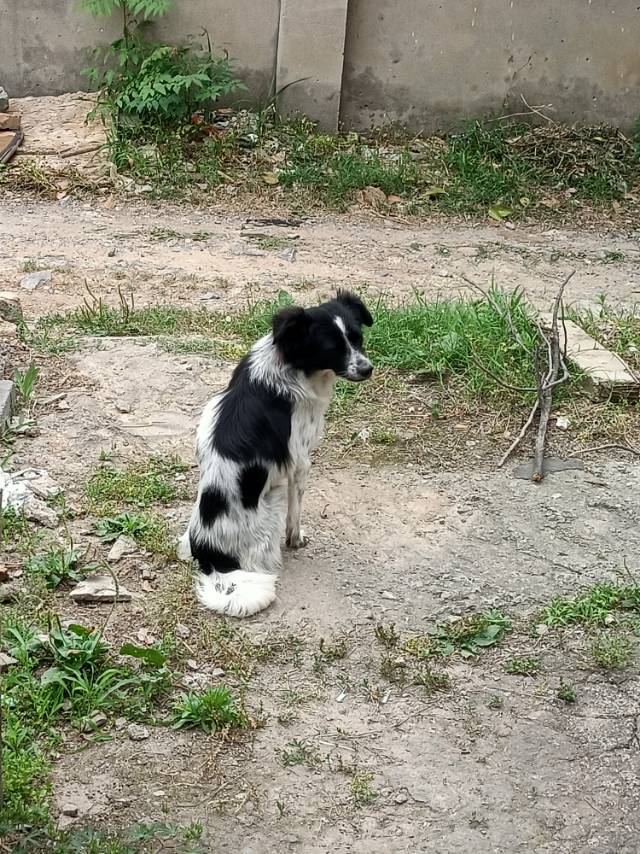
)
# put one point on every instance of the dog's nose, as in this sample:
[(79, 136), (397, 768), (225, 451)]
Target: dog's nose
[(366, 371)]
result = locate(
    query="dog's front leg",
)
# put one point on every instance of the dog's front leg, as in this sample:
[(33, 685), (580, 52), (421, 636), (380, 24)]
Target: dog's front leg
[(297, 483)]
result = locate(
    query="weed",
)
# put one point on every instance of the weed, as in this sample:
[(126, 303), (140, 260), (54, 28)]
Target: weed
[(361, 789), (165, 234), (495, 702), (431, 680), (465, 637), (330, 652), (612, 651), (57, 565), (299, 752), (13, 525), (26, 383), (566, 692), (593, 606), (393, 670), (211, 710), (523, 666), (386, 635), (139, 484), (133, 525), (153, 83), (273, 244)]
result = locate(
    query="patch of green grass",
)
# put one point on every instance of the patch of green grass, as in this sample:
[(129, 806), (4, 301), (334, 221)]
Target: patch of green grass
[(57, 565), (495, 702), (523, 666), (330, 651), (273, 244), (124, 524), (361, 789), (165, 234), (593, 606), (566, 692), (211, 710), (65, 677), (299, 752), (137, 485), (13, 525), (612, 651)]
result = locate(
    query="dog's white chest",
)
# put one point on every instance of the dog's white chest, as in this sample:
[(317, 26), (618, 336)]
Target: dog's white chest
[(307, 428)]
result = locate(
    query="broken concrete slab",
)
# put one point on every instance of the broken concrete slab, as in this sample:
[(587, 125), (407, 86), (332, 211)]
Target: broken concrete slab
[(100, 588), (7, 402), (551, 465), (10, 141), (604, 371)]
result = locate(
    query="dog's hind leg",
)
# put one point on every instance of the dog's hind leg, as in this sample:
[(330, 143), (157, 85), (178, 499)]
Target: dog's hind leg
[(295, 537)]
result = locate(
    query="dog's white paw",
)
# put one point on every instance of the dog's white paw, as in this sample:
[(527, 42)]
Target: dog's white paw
[(296, 539)]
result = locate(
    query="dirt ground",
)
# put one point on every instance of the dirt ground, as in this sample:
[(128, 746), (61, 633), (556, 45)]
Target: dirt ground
[(453, 772)]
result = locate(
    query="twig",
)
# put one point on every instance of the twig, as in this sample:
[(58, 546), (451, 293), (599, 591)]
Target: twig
[(520, 435), (536, 110), (497, 379), (505, 315), (545, 396), (610, 445)]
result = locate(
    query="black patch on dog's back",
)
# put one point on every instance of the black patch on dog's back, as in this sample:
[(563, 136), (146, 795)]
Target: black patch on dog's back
[(210, 559), (252, 481), (212, 504), (254, 421)]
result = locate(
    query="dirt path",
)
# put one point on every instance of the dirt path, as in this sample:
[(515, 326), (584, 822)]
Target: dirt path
[(153, 249), (496, 764)]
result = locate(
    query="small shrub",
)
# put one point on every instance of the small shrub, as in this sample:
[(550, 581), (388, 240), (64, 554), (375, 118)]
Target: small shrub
[(211, 710), (523, 666), (612, 651), (56, 565), (566, 692)]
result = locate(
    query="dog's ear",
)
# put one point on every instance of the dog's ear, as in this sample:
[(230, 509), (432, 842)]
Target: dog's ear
[(290, 326), (355, 305)]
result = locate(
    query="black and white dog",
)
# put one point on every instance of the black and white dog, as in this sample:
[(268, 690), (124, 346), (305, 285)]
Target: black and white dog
[(254, 447)]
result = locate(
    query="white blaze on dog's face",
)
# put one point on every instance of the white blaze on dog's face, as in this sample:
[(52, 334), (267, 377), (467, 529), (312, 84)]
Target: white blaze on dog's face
[(357, 366), (325, 338)]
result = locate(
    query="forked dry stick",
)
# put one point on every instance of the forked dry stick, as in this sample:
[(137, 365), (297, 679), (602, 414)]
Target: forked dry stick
[(545, 394)]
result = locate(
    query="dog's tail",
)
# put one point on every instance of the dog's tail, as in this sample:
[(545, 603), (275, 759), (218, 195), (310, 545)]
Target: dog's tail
[(237, 593)]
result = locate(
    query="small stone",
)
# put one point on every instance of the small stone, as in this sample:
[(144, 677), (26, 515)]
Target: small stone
[(124, 406), (183, 631), (10, 308), (563, 423), (401, 798), (542, 629), (289, 255), (70, 810), (95, 721), (37, 511), (386, 594), (4, 101), (210, 295), (136, 732), (147, 587), (609, 620), (34, 280), (6, 661), (9, 591), (99, 588), (192, 664), (148, 574), (111, 253), (123, 546), (120, 723), (63, 405)]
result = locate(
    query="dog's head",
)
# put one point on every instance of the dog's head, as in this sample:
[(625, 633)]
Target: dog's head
[(325, 338)]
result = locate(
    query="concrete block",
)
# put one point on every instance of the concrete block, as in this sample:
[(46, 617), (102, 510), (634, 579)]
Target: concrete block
[(7, 401), (311, 45), (604, 370)]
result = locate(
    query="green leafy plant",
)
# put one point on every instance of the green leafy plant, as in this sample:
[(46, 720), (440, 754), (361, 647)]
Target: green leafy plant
[(127, 524), (153, 83), (56, 565), (26, 383), (612, 651), (522, 666), (466, 637), (211, 710)]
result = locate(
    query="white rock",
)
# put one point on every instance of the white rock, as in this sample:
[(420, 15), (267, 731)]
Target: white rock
[(122, 546), (562, 422), (136, 732), (6, 661), (34, 280)]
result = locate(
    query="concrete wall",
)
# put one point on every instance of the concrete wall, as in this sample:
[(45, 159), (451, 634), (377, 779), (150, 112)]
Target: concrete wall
[(428, 63), (43, 43), (423, 63)]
